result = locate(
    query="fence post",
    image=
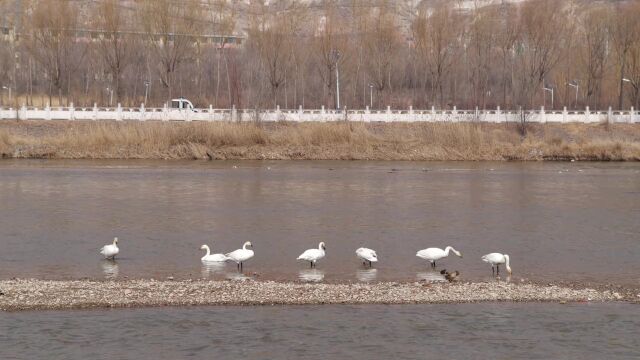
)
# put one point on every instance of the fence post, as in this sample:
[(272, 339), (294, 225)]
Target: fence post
[(610, 118), (119, 113), (543, 115), (632, 115), (142, 112), (564, 114), (165, 113), (71, 112), (24, 113), (586, 113), (48, 112)]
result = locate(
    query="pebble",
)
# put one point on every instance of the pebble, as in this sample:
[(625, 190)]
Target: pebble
[(71, 294)]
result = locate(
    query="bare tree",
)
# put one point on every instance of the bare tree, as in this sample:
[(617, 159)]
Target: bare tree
[(625, 36), (52, 42), (436, 34), (115, 46), (171, 29), (382, 43), (330, 47), (595, 51)]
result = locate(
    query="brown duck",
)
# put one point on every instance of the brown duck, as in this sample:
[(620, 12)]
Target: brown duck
[(451, 276)]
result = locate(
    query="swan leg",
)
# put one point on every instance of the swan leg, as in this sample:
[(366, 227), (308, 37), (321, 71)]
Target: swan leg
[(498, 269)]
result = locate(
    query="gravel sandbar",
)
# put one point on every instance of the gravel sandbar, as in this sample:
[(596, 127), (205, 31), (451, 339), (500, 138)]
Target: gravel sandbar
[(50, 295)]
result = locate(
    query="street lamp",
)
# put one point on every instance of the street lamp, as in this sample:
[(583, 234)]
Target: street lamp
[(336, 56), (575, 84), (371, 96), (110, 91), (8, 88), (550, 89), (146, 91)]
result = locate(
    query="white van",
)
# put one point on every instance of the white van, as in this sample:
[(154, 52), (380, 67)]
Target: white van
[(182, 104)]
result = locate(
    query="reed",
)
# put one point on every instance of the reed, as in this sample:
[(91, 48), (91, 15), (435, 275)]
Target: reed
[(352, 140)]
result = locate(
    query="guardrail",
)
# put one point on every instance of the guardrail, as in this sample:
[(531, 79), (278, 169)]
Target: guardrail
[(319, 115)]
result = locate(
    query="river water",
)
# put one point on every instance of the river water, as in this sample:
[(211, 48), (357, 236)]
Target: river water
[(469, 331), (557, 221)]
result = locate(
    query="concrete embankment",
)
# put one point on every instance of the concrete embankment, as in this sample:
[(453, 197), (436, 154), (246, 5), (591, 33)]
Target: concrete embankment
[(50, 295)]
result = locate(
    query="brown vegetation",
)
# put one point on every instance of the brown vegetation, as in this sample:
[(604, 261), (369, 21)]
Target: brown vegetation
[(396, 53), (346, 141)]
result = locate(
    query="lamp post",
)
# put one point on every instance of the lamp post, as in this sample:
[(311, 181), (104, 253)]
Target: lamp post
[(336, 56), (577, 86), (371, 96), (9, 89), (110, 91), (146, 91), (550, 89)]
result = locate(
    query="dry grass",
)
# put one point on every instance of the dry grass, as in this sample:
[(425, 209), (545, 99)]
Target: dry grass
[(394, 141)]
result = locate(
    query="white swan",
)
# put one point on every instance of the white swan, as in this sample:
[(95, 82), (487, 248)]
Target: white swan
[(367, 255), (496, 259), (110, 251), (433, 254), (241, 255), (209, 257), (313, 255)]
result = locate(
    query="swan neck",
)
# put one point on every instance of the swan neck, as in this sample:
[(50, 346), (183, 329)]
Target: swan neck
[(446, 250), (506, 258), (206, 247)]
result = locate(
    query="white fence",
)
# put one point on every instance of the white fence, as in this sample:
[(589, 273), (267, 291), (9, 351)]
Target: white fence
[(303, 115)]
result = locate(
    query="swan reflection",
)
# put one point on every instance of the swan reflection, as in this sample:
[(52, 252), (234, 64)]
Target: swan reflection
[(311, 275), (431, 276), (366, 275), (211, 268), (237, 276), (109, 268)]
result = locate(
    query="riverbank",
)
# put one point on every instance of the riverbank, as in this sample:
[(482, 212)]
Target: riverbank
[(52, 295), (318, 141)]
